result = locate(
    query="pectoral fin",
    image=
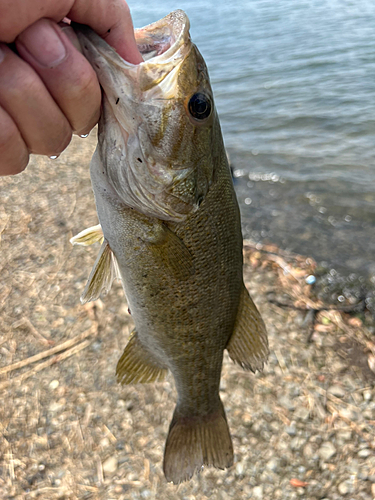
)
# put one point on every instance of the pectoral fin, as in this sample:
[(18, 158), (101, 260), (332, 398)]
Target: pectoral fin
[(137, 365), (104, 272), (173, 253), (248, 345), (88, 236)]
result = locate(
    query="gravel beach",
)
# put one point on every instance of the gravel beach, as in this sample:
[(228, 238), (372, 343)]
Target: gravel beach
[(304, 428)]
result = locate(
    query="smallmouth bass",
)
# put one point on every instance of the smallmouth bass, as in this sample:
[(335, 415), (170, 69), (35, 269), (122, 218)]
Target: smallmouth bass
[(170, 230)]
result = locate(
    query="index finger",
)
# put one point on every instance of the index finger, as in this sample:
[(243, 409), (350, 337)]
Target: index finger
[(111, 19)]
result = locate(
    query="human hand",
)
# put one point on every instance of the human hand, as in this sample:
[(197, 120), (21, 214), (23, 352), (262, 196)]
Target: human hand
[(49, 90)]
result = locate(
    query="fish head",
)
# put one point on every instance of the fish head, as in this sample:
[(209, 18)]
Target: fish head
[(158, 128)]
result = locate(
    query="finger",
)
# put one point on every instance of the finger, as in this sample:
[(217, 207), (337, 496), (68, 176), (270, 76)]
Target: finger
[(66, 73), (24, 97), (14, 155), (110, 18), (17, 15)]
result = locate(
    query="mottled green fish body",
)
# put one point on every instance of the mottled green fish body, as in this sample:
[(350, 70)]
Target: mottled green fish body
[(171, 231)]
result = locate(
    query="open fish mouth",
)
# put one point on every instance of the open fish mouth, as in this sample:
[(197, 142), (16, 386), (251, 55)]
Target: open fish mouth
[(164, 37), (163, 45)]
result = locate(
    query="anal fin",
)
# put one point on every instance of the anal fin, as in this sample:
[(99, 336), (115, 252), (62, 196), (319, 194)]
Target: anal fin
[(137, 365), (248, 345)]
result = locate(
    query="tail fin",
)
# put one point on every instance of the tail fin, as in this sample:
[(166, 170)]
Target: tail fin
[(196, 441)]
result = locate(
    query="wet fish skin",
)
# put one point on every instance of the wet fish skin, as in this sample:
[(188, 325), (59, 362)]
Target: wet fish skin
[(172, 222)]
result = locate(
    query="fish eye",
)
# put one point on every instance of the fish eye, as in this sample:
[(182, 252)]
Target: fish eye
[(200, 106)]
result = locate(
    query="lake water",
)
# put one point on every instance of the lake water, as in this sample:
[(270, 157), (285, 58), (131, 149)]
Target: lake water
[(294, 83)]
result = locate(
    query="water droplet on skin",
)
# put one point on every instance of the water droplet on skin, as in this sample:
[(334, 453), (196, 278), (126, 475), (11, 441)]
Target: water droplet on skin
[(84, 136), (54, 157)]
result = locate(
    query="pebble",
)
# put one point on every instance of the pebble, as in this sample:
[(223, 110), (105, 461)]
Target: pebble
[(267, 410), (110, 465), (297, 443), (364, 453), (54, 385), (287, 403), (239, 468), (55, 406), (273, 464), (344, 435), (368, 414), (104, 442), (373, 490), (146, 493), (327, 451), (258, 492), (308, 451), (349, 413), (301, 413), (291, 429), (363, 476), (337, 390), (343, 488), (367, 395)]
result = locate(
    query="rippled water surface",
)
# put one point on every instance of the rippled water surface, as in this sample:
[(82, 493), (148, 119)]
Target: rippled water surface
[(294, 83)]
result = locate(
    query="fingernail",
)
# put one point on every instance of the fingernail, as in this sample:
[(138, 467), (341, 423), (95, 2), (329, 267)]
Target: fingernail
[(43, 43), (69, 32)]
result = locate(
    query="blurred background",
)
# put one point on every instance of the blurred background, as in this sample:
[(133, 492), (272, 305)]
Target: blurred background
[(294, 83), (294, 86)]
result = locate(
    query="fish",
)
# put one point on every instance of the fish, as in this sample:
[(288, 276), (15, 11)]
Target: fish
[(170, 230)]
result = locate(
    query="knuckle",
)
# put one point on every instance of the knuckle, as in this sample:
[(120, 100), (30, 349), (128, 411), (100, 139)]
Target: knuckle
[(8, 134), (125, 9), (20, 82), (57, 144), (65, 141), (14, 155), (87, 93), (8, 30), (27, 83), (20, 165), (85, 85)]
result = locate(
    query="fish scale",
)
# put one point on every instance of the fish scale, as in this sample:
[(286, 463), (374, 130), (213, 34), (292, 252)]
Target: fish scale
[(178, 247)]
